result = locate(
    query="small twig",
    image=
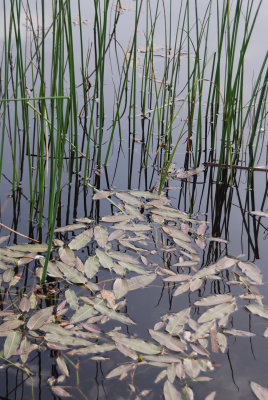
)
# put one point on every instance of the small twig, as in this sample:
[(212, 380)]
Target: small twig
[(17, 233)]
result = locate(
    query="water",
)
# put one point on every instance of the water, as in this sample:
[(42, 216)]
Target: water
[(227, 209)]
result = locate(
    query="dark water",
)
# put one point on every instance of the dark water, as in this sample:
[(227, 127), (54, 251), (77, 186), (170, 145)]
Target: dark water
[(227, 207)]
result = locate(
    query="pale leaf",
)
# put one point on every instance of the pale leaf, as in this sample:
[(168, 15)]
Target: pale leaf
[(81, 240), (259, 391), (39, 318), (170, 392)]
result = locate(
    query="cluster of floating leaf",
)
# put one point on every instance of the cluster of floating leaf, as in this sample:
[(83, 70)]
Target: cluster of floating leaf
[(180, 346)]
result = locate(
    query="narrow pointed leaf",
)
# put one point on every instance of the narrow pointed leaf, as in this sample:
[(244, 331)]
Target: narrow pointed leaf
[(12, 343), (39, 318)]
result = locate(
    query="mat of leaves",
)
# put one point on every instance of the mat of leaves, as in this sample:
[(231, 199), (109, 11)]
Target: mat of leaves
[(129, 245)]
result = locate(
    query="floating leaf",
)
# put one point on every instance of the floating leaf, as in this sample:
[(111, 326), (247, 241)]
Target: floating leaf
[(185, 246), (104, 259), (177, 321), (195, 284), (118, 218), (126, 351), (39, 318), (222, 341), (120, 287), (68, 228), (214, 300), (25, 349), (128, 198), (91, 266), (123, 257), (176, 233), (101, 235), (122, 370), (12, 324), (60, 391), (262, 311), (62, 366), (24, 305), (211, 396), (81, 240), (217, 312), (72, 299), (3, 239), (132, 227), (167, 340), (140, 345), (71, 274), (12, 343), (259, 391), (182, 289), (140, 281), (8, 275), (102, 194), (39, 248), (113, 314), (225, 263), (85, 220), (67, 340), (170, 392), (146, 195), (201, 230), (251, 270), (83, 313), (115, 235), (131, 267), (94, 348), (237, 332), (259, 213), (67, 256)]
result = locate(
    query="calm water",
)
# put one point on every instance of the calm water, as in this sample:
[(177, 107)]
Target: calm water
[(227, 209)]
